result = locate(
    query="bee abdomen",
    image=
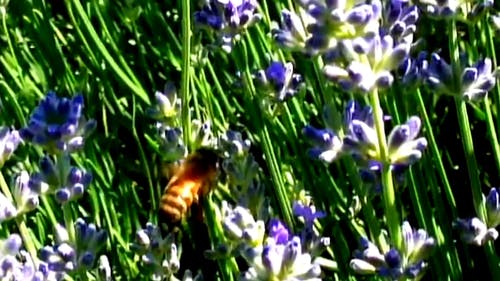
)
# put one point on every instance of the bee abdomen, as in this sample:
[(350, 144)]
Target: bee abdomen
[(175, 203)]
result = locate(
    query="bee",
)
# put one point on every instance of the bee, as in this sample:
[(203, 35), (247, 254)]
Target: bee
[(192, 180)]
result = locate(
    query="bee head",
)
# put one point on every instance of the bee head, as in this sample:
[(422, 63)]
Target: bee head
[(209, 156)]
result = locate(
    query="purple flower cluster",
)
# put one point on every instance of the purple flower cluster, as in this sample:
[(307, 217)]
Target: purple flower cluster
[(278, 81), (476, 231), (66, 182), (463, 10), (57, 124), (227, 18), (9, 140), (68, 256), (159, 255), (470, 83), (277, 252), (360, 140), (393, 264)]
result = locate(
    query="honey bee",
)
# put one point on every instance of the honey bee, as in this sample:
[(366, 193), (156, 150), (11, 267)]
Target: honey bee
[(192, 180)]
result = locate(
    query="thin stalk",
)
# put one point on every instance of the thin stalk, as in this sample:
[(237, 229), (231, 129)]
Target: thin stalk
[(63, 165), (11, 48), (388, 194), (491, 52), (186, 70), (436, 155), (487, 41), (268, 146), (135, 87), (465, 132)]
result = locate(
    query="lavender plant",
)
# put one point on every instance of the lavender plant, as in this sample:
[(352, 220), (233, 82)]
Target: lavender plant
[(397, 99)]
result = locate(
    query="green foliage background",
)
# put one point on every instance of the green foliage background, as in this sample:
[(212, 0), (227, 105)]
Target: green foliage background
[(118, 53)]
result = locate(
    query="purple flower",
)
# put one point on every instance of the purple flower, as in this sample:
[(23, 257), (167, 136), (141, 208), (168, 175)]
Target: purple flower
[(276, 261), (65, 181), (412, 70), (9, 140), (293, 34), (168, 106), (227, 18), (279, 80), (278, 231), (327, 145), (308, 212), (404, 146), (335, 21), (158, 254), (68, 256), (367, 62), (57, 124), (409, 263), (469, 83), (463, 10), (400, 20), (493, 207), (474, 231)]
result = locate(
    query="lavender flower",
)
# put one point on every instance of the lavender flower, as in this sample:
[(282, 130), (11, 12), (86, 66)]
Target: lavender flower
[(279, 81), (293, 34), (307, 212), (461, 9), (7, 209), (369, 62), (278, 231), (227, 18), (340, 20), (168, 106), (404, 148), (474, 231), (327, 144), (400, 20), (240, 227), (9, 248), (202, 135), (24, 199), (493, 207), (469, 83), (409, 263), (68, 183), (79, 255), (238, 163), (312, 242), (412, 70), (280, 258), (57, 124), (9, 140), (159, 255), (171, 146)]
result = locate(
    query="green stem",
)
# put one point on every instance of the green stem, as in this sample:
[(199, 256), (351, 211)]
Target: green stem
[(63, 164), (388, 194), (130, 82), (11, 49), (268, 146), (436, 154), (21, 224), (68, 221), (186, 70), (465, 132)]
